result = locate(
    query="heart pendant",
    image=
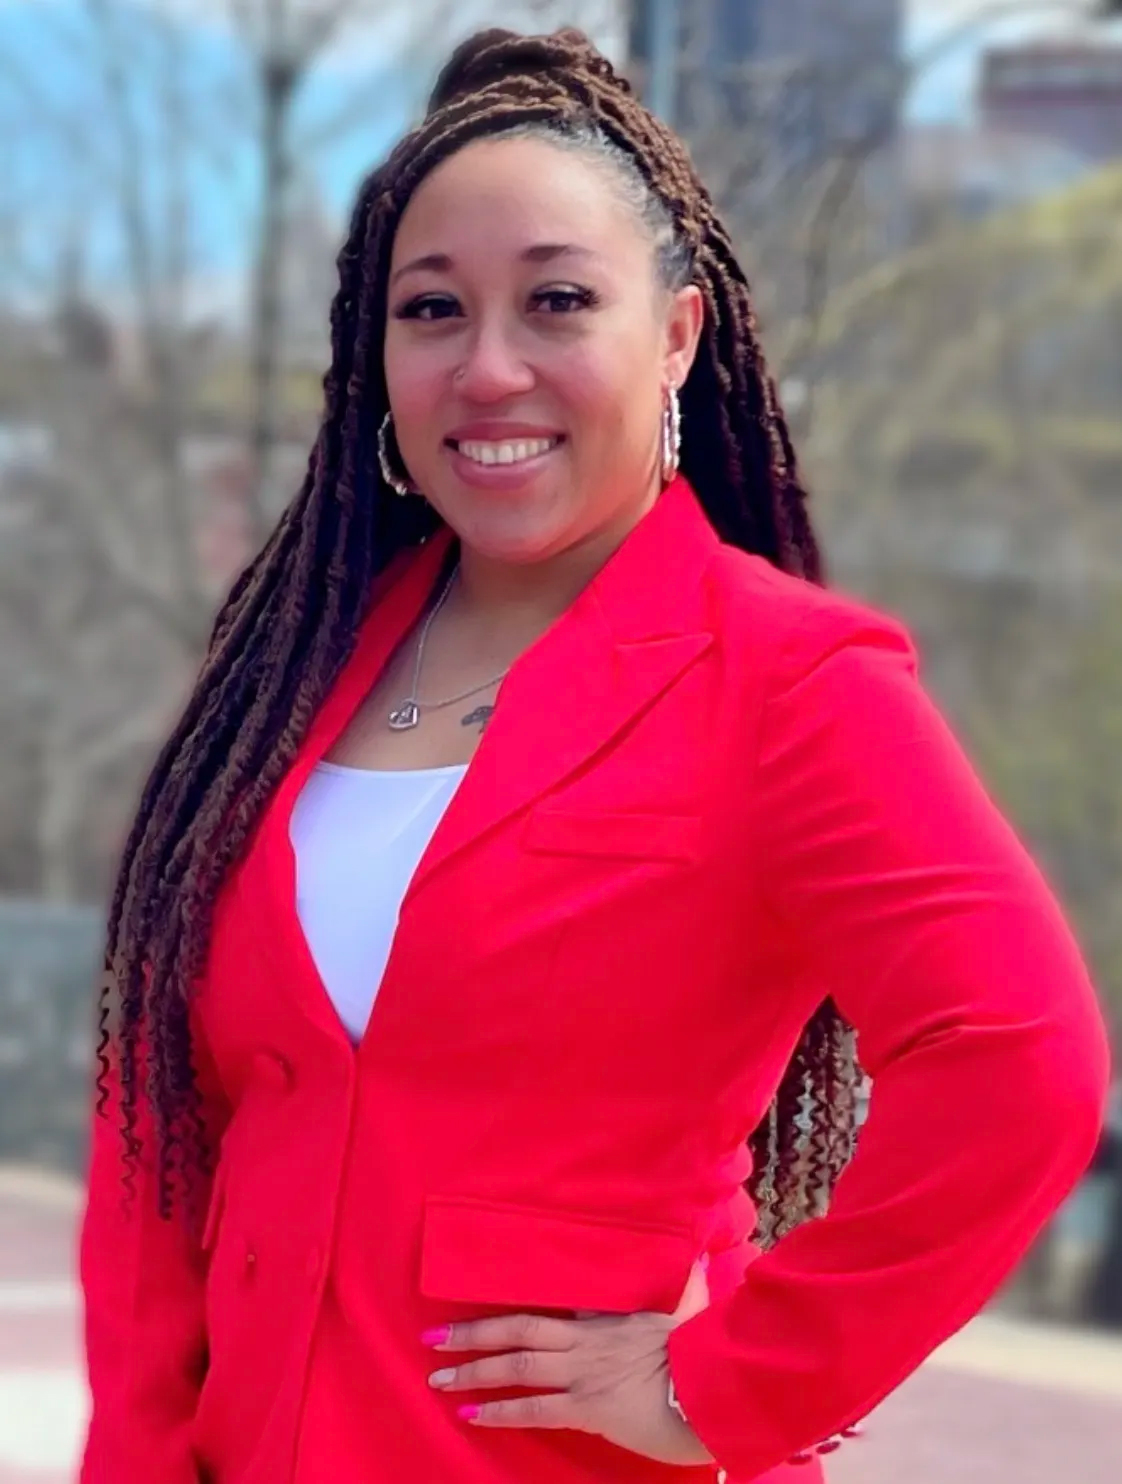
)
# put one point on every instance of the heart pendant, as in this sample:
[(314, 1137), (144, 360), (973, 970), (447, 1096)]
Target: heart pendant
[(404, 717)]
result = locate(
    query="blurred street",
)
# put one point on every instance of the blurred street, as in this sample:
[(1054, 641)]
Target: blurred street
[(1004, 1403)]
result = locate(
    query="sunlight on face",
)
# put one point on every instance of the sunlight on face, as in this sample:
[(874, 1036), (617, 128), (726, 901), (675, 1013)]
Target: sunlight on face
[(527, 349)]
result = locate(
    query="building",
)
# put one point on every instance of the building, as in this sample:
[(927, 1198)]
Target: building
[(1069, 93), (810, 77), (968, 171)]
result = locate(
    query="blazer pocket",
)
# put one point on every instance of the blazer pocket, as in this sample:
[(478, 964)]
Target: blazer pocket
[(666, 837), (481, 1252)]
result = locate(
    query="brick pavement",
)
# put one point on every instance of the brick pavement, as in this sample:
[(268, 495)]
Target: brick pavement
[(42, 1398), (1003, 1403)]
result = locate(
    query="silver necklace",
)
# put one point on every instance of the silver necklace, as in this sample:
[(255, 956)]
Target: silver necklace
[(404, 717)]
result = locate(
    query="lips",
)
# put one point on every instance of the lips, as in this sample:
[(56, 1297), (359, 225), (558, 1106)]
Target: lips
[(491, 445)]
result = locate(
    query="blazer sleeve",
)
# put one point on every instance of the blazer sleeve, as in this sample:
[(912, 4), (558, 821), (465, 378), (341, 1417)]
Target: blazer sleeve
[(913, 904), (143, 1283)]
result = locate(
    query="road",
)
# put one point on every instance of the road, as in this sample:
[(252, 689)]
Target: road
[(1004, 1403)]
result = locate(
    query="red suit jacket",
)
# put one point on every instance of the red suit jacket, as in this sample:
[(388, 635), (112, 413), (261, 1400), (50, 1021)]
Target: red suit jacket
[(711, 795)]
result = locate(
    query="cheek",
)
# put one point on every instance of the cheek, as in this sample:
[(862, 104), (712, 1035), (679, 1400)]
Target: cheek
[(607, 391), (612, 402), (415, 378)]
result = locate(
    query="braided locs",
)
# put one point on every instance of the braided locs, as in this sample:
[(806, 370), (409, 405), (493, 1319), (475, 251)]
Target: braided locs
[(290, 620)]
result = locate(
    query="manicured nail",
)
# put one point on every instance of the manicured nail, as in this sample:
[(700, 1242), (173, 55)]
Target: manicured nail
[(705, 1262), (442, 1378), (469, 1413), (437, 1336)]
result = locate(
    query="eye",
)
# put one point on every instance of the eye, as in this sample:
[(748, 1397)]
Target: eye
[(564, 299), (429, 307)]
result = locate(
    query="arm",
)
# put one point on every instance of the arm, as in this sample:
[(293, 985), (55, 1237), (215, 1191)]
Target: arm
[(143, 1288), (913, 904)]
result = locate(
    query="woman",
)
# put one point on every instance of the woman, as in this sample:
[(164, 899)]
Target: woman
[(538, 823)]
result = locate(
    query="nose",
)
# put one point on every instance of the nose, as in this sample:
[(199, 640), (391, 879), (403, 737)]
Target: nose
[(493, 369)]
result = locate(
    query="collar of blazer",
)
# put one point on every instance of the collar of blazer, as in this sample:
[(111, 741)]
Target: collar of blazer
[(629, 635)]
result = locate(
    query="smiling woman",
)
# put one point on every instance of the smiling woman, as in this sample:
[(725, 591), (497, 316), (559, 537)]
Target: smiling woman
[(487, 953), (533, 360)]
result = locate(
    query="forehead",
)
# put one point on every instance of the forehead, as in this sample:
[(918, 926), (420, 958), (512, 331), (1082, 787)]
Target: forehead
[(505, 195)]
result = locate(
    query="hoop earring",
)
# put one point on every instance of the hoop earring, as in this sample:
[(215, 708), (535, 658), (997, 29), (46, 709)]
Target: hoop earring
[(394, 480), (671, 436)]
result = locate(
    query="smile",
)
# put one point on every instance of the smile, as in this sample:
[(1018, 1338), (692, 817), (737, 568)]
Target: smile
[(513, 451)]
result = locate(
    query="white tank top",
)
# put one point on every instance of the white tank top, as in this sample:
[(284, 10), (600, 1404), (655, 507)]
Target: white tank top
[(358, 837)]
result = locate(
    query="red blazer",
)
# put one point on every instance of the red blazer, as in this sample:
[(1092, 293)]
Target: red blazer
[(711, 795)]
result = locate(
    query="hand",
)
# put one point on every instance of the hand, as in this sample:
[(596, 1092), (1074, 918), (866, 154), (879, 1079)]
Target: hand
[(605, 1374)]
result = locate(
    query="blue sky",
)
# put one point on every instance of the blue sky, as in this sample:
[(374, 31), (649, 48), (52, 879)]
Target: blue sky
[(47, 46), (48, 73)]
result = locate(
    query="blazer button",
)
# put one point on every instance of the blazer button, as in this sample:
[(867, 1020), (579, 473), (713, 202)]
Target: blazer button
[(273, 1070), (250, 1264)]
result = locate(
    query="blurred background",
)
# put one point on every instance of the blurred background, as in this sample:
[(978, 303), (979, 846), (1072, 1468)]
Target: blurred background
[(928, 194)]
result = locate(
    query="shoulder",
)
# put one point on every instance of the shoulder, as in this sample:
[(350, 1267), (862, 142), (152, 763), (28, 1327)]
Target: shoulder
[(785, 625)]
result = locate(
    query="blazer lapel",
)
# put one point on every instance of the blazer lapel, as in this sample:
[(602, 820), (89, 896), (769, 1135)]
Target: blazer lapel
[(629, 635), (397, 600)]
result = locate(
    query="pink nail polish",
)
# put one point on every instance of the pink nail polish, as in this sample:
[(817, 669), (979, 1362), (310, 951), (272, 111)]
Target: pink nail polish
[(439, 1336), (470, 1412)]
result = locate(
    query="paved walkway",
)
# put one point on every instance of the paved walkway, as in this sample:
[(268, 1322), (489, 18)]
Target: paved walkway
[(42, 1398), (1003, 1403)]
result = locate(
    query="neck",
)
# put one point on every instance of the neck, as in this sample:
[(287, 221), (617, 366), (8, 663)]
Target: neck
[(503, 595)]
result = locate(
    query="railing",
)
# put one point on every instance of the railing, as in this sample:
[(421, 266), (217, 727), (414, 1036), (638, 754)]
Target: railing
[(48, 970)]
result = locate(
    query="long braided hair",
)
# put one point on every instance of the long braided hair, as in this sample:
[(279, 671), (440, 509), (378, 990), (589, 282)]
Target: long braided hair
[(289, 623)]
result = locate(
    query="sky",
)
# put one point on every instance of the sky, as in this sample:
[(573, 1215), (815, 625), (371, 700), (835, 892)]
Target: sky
[(45, 66)]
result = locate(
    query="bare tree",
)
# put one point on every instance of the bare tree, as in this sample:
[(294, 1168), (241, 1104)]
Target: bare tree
[(810, 220), (130, 538), (284, 42)]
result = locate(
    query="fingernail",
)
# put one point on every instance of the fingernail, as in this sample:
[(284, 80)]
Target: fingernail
[(442, 1378), (705, 1262), (439, 1336), (469, 1413)]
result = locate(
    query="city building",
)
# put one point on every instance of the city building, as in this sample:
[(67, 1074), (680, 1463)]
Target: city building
[(811, 78), (1069, 93), (967, 171)]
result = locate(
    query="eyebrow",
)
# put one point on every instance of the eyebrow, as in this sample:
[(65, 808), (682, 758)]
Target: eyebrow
[(542, 252)]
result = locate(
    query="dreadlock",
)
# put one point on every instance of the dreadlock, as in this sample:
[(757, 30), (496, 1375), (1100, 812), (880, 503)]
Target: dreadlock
[(289, 623)]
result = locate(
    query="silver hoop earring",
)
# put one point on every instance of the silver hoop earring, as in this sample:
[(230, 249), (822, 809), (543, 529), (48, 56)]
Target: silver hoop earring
[(394, 480), (671, 436)]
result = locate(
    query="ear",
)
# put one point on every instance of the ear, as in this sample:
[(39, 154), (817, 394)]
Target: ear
[(685, 322)]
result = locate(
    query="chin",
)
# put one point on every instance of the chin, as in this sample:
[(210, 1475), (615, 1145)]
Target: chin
[(515, 537), (514, 550)]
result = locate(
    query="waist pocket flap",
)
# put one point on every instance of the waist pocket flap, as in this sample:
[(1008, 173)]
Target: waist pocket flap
[(669, 837), (479, 1252)]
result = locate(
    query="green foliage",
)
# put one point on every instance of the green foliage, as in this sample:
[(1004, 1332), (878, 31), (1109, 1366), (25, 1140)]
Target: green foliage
[(1051, 747), (966, 455)]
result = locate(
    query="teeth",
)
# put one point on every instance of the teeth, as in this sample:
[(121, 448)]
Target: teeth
[(507, 453)]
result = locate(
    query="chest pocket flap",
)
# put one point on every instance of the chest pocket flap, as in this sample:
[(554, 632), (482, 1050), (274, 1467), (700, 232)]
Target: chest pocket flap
[(666, 837)]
